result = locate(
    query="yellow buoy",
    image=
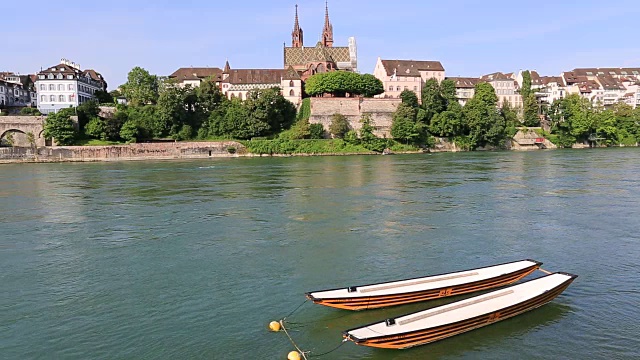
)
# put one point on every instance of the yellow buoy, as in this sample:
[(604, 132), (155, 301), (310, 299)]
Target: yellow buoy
[(274, 326), (294, 355)]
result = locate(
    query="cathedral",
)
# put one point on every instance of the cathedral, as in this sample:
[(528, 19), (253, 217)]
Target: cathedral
[(324, 56)]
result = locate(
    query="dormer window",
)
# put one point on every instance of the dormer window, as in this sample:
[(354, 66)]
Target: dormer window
[(50, 76), (41, 77), (69, 77), (60, 76)]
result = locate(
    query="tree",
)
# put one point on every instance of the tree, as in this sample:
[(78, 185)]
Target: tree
[(95, 128), (269, 107), (446, 124), (369, 86), (367, 138), (316, 131), (448, 92), (341, 83), (526, 84), (141, 87), (339, 126), (511, 119), (486, 126), (60, 127), (130, 132), (432, 101), (410, 98), (27, 111), (103, 97), (209, 95), (86, 112), (404, 124)]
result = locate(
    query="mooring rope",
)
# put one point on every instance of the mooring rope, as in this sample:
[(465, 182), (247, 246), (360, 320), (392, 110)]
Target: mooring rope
[(296, 309), (292, 342), (329, 352), (545, 271)]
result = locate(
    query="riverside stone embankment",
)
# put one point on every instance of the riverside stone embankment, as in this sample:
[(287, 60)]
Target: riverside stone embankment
[(143, 151)]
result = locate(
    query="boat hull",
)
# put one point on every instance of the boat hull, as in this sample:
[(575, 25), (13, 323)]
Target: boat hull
[(382, 301), (429, 335)]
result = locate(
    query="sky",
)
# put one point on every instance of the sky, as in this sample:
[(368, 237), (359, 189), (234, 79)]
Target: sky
[(470, 38)]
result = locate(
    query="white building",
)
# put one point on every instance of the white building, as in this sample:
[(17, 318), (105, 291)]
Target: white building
[(66, 85), (16, 90)]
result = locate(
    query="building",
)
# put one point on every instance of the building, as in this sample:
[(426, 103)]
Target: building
[(324, 57), (16, 90), (236, 83), (605, 86), (66, 85), (400, 75), (465, 88), (195, 76), (506, 88)]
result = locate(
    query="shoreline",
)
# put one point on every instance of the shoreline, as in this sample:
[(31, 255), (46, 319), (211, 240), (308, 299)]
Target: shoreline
[(173, 151)]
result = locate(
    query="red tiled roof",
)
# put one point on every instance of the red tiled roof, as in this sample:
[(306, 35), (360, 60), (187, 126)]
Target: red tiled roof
[(464, 82), (410, 68), (497, 76), (257, 76), (192, 73)]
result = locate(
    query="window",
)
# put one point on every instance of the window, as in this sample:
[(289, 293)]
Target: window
[(291, 84), (41, 77), (50, 76), (43, 98), (60, 87), (52, 98), (398, 88), (70, 87), (69, 77), (391, 88), (70, 98), (43, 87), (60, 76), (52, 87), (415, 88), (61, 98), (292, 93)]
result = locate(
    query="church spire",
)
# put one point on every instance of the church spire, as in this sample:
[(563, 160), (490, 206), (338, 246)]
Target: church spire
[(327, 32), (297, 36)]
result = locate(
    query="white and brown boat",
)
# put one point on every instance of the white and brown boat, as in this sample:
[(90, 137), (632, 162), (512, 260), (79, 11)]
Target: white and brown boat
[(452, 319), (425, 288)]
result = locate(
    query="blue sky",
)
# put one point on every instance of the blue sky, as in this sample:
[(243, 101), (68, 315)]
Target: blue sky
[(470, 38)]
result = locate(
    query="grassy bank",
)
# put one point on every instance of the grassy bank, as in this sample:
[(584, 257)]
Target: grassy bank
[(319, 147)]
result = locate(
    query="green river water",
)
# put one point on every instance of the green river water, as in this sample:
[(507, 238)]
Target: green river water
[(192, 259)]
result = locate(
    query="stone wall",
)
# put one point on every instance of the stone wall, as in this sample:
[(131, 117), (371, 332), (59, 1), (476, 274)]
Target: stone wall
[(143, 151), (381, 111), (17, 128), (525, 139)]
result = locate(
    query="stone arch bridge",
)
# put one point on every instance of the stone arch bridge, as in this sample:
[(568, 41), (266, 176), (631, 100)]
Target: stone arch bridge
[(14, 130)]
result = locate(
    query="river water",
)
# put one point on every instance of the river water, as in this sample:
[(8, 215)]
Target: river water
[(192, 259)]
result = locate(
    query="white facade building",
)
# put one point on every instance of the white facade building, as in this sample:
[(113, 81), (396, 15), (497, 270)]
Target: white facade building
[(66, 85)]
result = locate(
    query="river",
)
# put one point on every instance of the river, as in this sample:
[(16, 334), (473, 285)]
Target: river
[(192, 259)]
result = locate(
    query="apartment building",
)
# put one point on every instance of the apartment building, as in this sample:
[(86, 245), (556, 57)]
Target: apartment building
[(66, 85), (400, 75)]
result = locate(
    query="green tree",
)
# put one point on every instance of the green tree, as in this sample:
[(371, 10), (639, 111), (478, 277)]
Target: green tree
[(404, 126), (130, 132), (448, 92), (446, 124), (86, 112), (103, 97), (410, 98), (316, 131), (28, 111), (270, 108), (367, 138), (486, 125), (530, 104), (95, 128), (525, 91), (341, 83), (141, 87), (432, 101), (339, 126), (511, 119), (60, 127)]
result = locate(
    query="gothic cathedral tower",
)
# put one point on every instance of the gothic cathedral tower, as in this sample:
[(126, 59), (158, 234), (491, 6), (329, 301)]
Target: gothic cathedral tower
[(297, 37), (327, 31)]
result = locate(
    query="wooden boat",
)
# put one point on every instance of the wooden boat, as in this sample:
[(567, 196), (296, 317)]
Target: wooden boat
[(448, 320), (425, 288)]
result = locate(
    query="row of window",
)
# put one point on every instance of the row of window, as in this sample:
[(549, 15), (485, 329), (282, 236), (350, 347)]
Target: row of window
[(51, 76), (70, 87), (398, 88), (505, 92), (54, 98)]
